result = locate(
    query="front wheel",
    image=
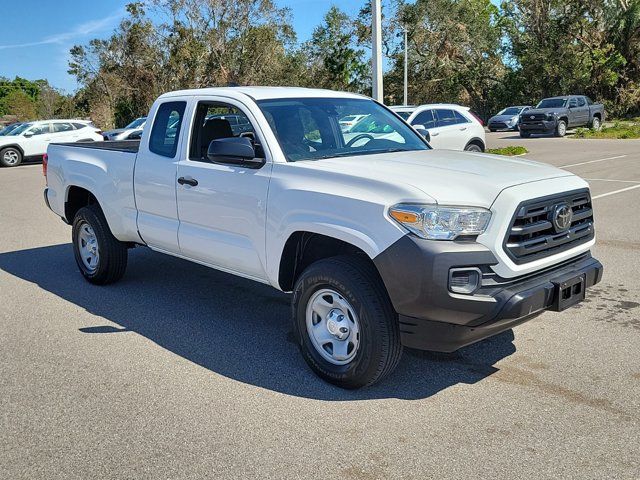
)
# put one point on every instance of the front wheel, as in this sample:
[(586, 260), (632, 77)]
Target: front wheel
[(524, 134), (473, 147), (561, 128), (344, 323), (10, 157), (101, 258)]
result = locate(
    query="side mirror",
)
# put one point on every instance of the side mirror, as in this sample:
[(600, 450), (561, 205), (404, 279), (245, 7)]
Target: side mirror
[(28, 135), (234, 151), (422, 131)]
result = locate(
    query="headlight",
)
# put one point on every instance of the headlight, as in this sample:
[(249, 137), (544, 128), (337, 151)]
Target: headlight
[(437, 222), (550, 116)]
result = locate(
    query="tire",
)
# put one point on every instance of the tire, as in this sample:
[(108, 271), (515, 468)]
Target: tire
[(473, 147), (561, 128), (10, 157), (356, 292), (524, 134), (595, 124), (492, 130), (101, 258)]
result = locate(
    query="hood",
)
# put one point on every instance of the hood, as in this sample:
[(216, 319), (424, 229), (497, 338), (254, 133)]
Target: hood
[(542, 110), (503, 118), (7, 139), (448, 177), (114, 131)]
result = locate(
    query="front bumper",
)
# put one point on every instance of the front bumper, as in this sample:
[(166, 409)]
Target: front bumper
[(416, 274), (541, 126)]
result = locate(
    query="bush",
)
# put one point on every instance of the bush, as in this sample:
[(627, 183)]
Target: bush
[(619, 130), (509, 151)]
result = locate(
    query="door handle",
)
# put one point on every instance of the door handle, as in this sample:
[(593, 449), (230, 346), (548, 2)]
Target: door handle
[(435, 134), (188, 181), (462, 129)]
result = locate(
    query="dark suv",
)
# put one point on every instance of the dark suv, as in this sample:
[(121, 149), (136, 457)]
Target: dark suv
[(557, 114)]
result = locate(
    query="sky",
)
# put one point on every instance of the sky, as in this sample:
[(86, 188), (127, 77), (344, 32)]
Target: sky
[(35, 41)]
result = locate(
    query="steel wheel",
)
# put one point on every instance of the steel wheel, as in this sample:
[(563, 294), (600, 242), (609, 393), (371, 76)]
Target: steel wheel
[(11, 157), (332, 326), (88, 247)]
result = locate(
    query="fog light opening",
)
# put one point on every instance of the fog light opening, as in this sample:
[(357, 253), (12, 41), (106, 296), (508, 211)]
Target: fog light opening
[(464, 280)]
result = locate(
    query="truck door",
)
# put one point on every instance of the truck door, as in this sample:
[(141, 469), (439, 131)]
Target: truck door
[(583, 112), (155, 178), (221, 206)]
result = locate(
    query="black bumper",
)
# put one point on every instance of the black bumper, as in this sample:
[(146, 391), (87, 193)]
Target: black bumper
[(46, 198), (542, 126), (416, 275)]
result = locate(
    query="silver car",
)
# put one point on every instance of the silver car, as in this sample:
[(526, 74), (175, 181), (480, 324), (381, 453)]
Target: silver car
[(508, 118)]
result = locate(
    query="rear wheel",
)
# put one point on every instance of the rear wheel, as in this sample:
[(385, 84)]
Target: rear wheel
[(346, 328), (101, 258), (561, 128), (10, 157), (595, 123), (473, 147)]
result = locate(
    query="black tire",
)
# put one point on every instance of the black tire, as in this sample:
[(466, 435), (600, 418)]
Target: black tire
[(358, 282), (524, 134), (492, 130), (561, 129), (10, 157), (112, 260), (595, 124), (473, 147)]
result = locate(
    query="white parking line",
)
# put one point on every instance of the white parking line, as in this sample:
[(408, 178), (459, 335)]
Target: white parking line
[(610, 180), (592, 161), (616, 192)]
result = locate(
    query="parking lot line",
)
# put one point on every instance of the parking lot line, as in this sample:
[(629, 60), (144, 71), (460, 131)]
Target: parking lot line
[(592, 161), (616, 191), (610, 180)]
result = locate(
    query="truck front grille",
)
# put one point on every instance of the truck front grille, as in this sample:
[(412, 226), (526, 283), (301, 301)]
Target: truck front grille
[(537, 117), (544, 226)]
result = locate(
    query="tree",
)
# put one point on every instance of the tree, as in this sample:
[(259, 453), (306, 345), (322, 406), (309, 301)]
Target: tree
[(20, 104), (335, 61)]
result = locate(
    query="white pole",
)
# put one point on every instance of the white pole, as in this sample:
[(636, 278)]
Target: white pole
[(376, 50), (406, 62)]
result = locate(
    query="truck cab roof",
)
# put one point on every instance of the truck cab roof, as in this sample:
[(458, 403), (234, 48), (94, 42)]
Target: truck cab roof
[(263, 93)]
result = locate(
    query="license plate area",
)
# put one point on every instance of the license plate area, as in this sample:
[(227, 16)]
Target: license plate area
[(568, 291)]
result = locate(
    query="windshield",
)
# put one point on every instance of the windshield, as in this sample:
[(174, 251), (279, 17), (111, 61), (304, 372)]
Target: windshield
[(308, 128), (510, 111), (9, 128), (136, 123), (552, 103), (21, 128)]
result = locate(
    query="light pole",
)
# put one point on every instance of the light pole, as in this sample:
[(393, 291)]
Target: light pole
[(376, 50), (406, 70)]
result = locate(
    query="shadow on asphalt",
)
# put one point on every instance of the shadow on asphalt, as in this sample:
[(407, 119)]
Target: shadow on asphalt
[(232, 326)]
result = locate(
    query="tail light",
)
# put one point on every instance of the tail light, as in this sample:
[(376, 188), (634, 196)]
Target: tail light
[(45, 164), (477, 118)]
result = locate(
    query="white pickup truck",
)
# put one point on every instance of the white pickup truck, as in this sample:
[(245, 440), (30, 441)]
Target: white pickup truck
[(383, 241)]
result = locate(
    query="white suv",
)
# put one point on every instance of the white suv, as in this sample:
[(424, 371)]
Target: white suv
[(31, 139), (450, 126)]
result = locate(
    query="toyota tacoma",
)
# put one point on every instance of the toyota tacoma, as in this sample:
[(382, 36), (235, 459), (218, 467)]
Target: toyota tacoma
[(383, 242), (556, 115)]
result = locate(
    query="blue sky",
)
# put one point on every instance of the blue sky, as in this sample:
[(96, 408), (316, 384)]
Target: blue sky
[(35, 40)]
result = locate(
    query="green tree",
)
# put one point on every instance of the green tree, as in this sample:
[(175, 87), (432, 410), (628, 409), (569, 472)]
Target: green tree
[(334, 59), (20, 104)]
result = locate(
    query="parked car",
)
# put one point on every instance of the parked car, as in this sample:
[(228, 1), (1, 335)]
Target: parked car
[(557, 114), (123, 133), (450, 126), (384, 242), (507, 118), (347, 122), (9, 128), (32, 138)]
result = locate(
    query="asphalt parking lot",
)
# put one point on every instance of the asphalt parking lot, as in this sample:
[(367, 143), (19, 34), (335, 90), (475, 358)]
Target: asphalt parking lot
[(180, 371)]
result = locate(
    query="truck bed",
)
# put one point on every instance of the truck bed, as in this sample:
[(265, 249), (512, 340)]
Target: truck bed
[(130, 146)]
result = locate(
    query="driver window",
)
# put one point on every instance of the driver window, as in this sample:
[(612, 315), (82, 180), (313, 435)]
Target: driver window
[(39, 129), (425, 119), (216, 120), (581, 102), (573, 103)]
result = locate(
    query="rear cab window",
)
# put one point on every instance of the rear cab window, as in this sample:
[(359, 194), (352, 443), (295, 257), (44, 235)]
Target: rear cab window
[(166, 128)]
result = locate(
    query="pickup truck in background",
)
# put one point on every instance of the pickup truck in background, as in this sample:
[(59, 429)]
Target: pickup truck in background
[(383, 241), (557, 114)]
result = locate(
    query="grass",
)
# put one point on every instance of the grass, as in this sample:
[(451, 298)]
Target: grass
[(509, 151), (620, 130)]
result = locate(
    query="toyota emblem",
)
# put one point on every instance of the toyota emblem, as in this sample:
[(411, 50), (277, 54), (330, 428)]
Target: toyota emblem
[(532, 117), (562, 217)]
